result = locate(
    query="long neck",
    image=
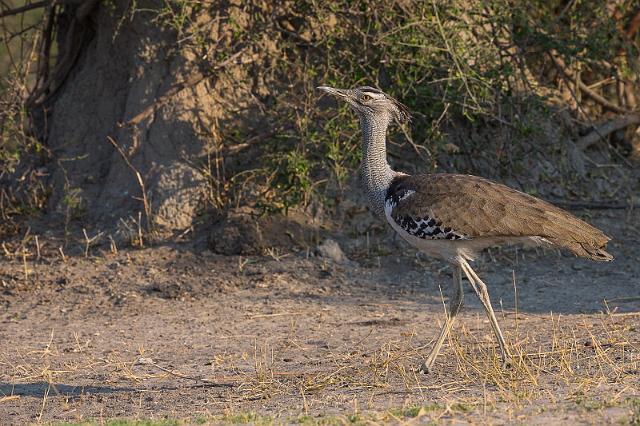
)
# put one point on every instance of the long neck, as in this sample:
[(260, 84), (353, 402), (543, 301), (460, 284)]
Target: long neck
[(376, 175)]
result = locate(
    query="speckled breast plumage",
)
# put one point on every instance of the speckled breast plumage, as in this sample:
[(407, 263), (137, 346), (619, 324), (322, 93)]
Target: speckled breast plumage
[(424, 227), (427, 227)]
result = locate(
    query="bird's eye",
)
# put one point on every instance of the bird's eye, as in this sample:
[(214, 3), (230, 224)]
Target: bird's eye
[(365, 98)]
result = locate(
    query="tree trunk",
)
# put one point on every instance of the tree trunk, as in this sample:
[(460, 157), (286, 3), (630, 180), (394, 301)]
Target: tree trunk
[(125, 64)]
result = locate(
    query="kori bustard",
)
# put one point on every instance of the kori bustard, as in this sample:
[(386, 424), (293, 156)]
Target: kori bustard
[(453, 216)]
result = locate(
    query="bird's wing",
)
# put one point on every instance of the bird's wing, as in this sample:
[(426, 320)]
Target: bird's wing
[(470, 207)]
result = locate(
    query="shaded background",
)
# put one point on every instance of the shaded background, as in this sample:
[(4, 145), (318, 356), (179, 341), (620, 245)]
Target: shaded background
[(150, 119)]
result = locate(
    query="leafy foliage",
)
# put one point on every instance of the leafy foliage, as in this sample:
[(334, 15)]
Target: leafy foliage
[(464, 65)]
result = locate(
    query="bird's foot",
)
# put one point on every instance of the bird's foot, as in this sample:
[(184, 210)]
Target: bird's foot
[(423, 369), (507, 363)]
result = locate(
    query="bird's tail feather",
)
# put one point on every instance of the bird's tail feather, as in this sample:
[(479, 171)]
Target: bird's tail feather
[(579, 237)]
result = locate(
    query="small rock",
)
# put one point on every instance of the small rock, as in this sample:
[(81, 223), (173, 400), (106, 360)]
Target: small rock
[(330, 249), (145, 361)]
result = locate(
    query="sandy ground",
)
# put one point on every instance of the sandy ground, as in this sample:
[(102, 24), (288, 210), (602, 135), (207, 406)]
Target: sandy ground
[(176, 331)]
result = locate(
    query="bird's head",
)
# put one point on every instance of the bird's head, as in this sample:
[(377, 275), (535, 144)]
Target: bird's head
[(371, 103)]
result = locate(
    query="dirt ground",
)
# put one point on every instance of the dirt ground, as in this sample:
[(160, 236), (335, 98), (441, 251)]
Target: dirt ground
[(176, 331)]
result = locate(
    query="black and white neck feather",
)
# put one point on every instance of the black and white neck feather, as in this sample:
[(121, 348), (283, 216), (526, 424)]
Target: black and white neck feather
[(375, 173)]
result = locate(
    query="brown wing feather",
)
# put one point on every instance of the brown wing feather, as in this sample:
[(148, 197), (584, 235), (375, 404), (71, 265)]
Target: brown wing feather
[(480, 208)]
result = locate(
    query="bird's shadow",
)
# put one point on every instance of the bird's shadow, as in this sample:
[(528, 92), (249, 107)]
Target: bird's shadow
[(42, 389)]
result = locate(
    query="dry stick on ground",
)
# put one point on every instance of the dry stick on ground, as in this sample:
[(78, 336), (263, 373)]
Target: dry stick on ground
[(88, 241), (145, 201), (149, 361), (601, 131)]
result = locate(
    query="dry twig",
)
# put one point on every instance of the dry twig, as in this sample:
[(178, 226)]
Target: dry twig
[(145, 201), (605, 129), (559, 62)]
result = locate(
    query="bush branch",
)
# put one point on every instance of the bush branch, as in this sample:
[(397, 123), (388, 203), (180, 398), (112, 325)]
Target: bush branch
[(605, 129), (22, 9), (583, 87)]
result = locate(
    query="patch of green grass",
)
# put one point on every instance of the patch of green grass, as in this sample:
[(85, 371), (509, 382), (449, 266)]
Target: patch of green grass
[(591, 404), (414, 410), (461, 407), (329, 420), (253, 418), (248, 418)]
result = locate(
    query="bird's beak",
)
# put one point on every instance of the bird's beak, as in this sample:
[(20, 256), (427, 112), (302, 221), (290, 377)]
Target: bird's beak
[(339, 93)]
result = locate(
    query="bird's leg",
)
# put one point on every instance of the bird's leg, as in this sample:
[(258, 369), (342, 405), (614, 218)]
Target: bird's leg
[(454, 307), (483, 294)]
